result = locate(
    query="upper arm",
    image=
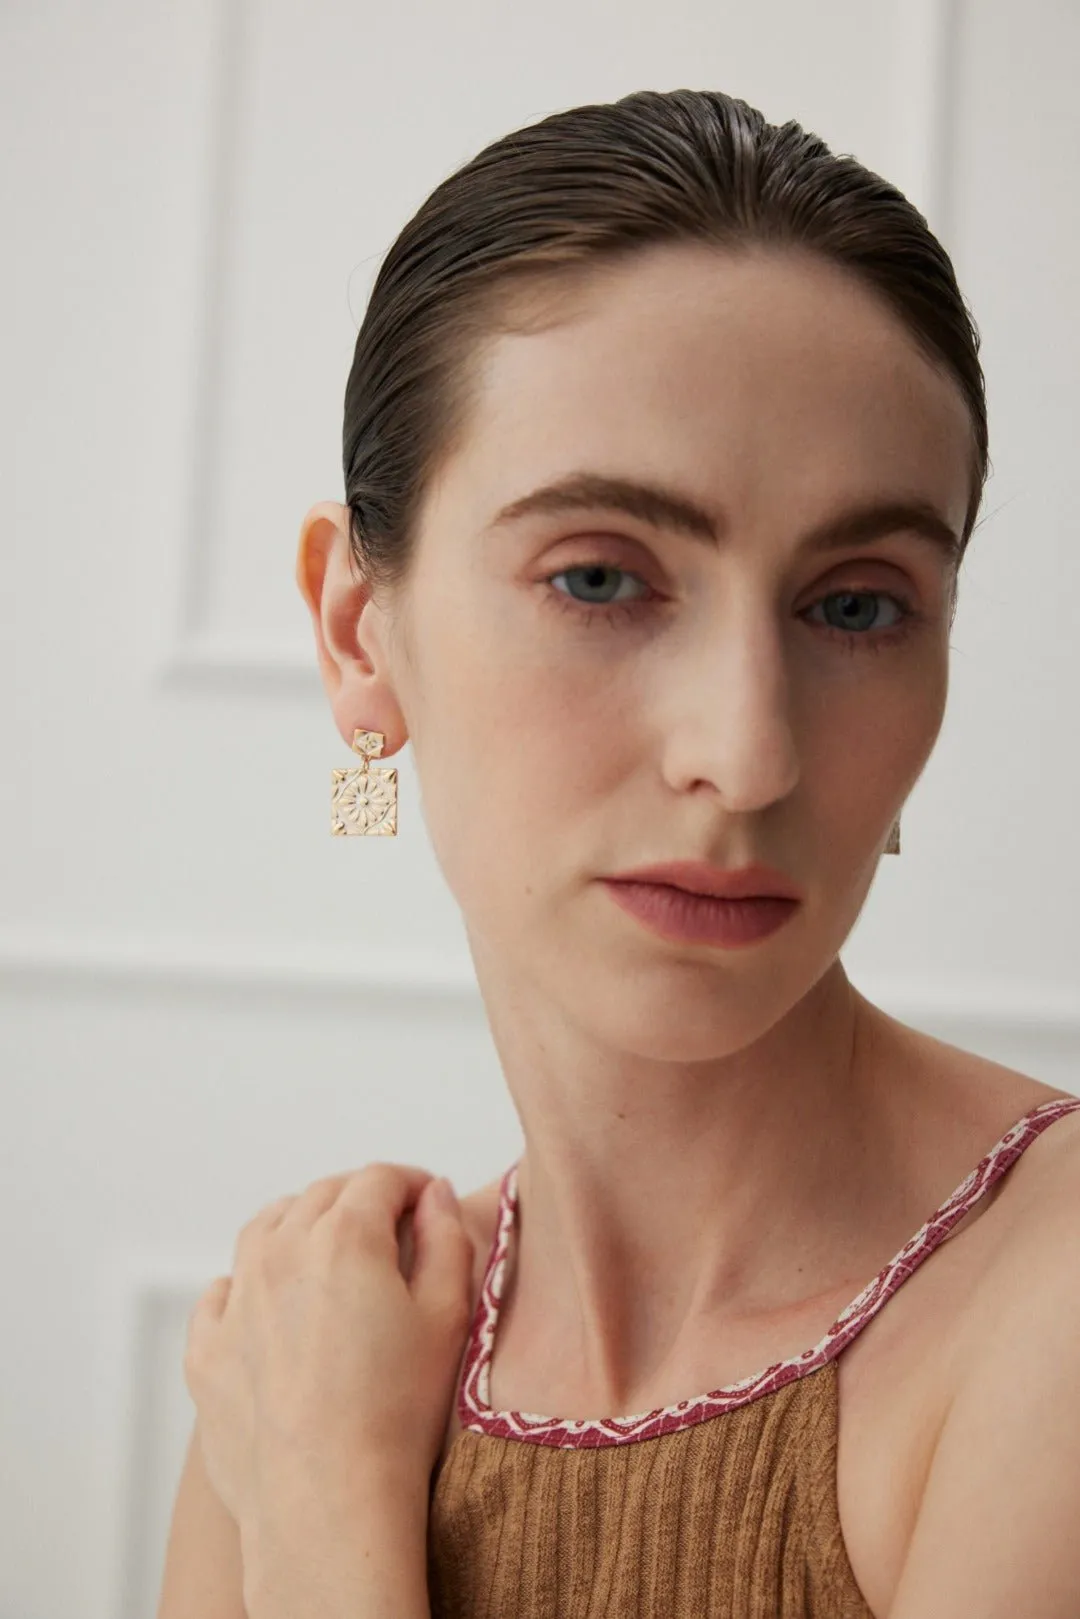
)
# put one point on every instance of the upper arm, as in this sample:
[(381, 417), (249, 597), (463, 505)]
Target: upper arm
[(204, 1574), (997, 1529)]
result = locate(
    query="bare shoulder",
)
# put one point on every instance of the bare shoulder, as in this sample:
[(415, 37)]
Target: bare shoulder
[(995, 1529), (1030, 1237), (1046, 1177), (1040, 1241)]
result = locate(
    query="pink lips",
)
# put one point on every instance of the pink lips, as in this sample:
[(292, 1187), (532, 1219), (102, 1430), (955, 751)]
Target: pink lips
[(682, 917), (699, 877)]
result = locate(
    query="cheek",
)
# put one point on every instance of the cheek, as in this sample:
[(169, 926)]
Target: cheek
[(867, 751), (515, 755)]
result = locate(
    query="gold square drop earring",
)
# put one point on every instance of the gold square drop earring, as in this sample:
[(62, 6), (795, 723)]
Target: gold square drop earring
[(363, 799), (893, 845)]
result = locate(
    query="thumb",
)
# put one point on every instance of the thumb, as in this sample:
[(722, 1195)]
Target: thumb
[(442, 1273)]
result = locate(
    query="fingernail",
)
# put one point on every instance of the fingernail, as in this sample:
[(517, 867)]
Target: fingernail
[(444, 1195)]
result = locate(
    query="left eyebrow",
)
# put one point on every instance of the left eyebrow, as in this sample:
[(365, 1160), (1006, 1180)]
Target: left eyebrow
[(662, 507)]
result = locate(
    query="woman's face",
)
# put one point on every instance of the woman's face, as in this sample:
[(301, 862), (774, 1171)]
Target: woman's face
[(591, 688)]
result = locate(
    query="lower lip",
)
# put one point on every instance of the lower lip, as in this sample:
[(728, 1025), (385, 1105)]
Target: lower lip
[(699, 919)]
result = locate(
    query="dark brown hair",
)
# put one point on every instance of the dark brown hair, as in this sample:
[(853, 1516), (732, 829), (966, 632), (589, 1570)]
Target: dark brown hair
[(545, 204)]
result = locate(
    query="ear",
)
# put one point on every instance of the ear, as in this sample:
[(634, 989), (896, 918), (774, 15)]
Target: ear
[(348, 627)]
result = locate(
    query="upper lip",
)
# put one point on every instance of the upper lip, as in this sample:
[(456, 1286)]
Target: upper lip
[(698, 877)]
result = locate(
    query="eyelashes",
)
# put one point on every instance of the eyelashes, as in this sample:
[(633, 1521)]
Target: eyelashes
[(613, 612)]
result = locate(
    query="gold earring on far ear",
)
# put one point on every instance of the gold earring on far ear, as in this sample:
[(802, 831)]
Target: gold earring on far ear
[(893, 845), (363, 799)]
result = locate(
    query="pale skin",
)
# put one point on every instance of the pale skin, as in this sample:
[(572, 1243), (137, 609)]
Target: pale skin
[(699, 1124), (713, 1138)]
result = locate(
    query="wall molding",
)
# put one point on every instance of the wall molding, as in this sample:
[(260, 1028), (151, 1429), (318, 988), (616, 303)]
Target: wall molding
[(923, 78), (195, 654), (925, 74), (133, 964), (143, 1416), (262, 666)]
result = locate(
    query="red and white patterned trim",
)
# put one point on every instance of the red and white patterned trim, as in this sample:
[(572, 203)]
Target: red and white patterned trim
[(589, 1432)]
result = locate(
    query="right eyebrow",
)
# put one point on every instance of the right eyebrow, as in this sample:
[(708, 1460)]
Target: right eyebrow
[(663, 507)]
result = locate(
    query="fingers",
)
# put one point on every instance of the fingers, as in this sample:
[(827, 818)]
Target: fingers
[(275, 1212), (379, 1195), (322, 1194), (215, 1298), (442, 1270), (209, 1307), (267, 1219)]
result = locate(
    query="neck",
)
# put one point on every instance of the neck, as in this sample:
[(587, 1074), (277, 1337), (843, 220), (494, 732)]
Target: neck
[(658, 1199)]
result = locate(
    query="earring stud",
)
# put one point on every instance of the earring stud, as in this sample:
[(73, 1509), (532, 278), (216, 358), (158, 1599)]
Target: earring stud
[(363, 798)]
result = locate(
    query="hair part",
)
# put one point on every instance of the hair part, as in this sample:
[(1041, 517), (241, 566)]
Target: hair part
[(542, 207)]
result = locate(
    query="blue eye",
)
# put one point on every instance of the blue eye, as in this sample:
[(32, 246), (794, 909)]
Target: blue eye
[(855, 605), (592, 569), (855, 622)]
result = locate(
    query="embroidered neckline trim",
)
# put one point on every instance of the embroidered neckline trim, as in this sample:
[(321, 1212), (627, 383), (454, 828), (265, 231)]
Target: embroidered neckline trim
[(475, 1412)]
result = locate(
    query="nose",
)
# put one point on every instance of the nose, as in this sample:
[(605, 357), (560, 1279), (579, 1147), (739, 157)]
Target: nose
[(730, 718)]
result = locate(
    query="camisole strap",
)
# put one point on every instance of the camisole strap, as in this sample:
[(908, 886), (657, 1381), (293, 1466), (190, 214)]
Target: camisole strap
[(475, 1412)]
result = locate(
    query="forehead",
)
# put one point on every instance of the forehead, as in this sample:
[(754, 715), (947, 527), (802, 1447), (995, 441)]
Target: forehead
[(758, 379)]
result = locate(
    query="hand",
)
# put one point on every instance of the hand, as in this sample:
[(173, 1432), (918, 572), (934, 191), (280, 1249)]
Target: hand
[(318, 1358)]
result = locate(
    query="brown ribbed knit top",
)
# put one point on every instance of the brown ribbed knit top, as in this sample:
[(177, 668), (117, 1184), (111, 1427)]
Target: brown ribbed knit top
[(720, 1507)]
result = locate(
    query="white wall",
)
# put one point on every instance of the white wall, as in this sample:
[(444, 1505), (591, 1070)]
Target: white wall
[(204, 999)]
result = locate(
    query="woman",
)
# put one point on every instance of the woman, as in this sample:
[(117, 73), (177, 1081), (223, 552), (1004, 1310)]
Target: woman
[(664, 440)]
